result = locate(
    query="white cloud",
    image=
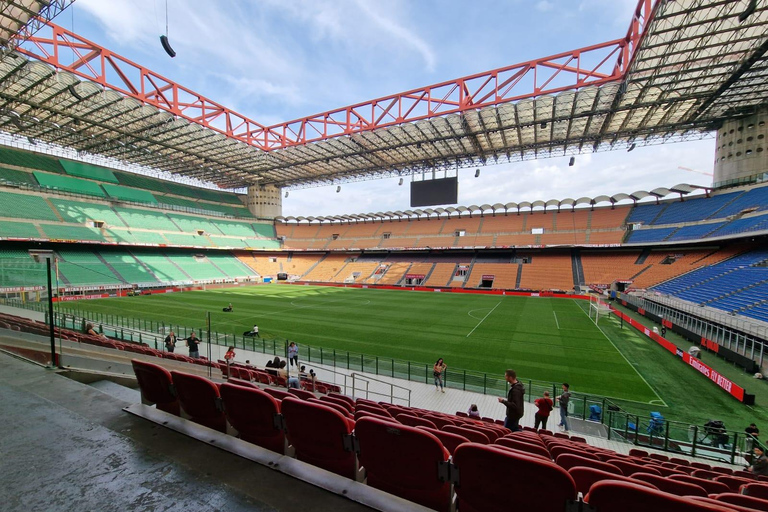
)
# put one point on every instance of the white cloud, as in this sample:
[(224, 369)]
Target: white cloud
[(544, 6)]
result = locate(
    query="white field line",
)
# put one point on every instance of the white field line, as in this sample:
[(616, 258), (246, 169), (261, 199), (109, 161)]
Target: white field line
[(556, 322), (483, 320), (625, 358)]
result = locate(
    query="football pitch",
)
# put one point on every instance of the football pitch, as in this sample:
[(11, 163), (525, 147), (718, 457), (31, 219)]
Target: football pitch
[(544, 339)]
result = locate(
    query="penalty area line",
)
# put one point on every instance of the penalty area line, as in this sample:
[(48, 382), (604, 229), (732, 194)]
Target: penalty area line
[(556, 322), (483, 320)]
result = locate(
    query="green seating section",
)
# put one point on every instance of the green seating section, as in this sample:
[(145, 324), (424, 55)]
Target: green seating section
[(262, 244), (145, 219), (184, 239), (265, 230), (162, 267), (68, 184), (197, 268), (169, 187), (14, 177), (79, 212), (17, 268), (128, 267), (18, 230), (221, 241), (178, 201), (230, 265), (235, 228), (23, 206), (29, 160), (190, 224), (88, 171), (69, 232), (129, 194), (85, 268)]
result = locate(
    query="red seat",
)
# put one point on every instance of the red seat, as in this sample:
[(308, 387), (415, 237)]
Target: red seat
[(557, 449), (339, 396), (700, 465), (304, 395), (404, 461), (734, 483), (681, 462), (277, 393), (263, 377), (630, 468), (376, 411), (711, 486), (636, 452), (156, 385), (742, 500), (199, 398), (366, 414), (342, 403), (722, 470), (731, 506), (252, 413), (671, 486), (335, 406), (468, 432), (579, 439), (569, 460), (414, 421), (744, 474), (524, 446), (631, 497), (439, 421), (586, 477), (706, 474), (755, 489), (492, 479), (491, 433), (449, 440), (659, 457), (321, 435), (241, 382)]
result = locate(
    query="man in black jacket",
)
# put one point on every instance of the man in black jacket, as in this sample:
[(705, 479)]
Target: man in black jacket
[(514, 401)]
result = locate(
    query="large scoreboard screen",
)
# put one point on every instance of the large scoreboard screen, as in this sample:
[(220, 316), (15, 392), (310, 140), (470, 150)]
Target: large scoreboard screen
[(435, 192)]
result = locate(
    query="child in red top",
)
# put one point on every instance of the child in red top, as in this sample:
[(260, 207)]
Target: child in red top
[(230, 355), (545, 405)]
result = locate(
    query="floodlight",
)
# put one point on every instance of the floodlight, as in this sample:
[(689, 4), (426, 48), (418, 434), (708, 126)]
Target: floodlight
[(167, 46), (748, 11), (400, 182), (571, 161), (631, 147), (286, 193), (338, 189), (477, 173)]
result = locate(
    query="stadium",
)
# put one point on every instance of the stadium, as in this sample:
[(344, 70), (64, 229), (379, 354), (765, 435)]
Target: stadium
[(134, 209)]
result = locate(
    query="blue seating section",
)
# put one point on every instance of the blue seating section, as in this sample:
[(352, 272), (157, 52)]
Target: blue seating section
[(692, 210), (755, 198), (645, 213), (724, 284), (759, 312), (742, 225), (744, 299), (649, 235), (693, 232)]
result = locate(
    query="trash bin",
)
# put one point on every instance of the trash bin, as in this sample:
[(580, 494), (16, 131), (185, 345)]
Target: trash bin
[(595, 413)]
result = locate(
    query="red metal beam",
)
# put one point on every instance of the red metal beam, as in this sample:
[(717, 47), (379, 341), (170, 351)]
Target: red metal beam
[(591, 66)]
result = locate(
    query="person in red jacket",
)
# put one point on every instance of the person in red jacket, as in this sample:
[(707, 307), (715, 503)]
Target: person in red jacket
[(545, 405)]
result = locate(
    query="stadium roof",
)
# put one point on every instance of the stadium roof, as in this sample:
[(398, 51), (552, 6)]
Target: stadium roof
[(682, 67)]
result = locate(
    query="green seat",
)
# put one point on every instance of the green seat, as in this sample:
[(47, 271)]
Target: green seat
[(69, 232), (23, 206), (79, 212)]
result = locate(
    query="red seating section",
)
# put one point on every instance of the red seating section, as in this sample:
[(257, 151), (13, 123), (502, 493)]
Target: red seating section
[(156, 385), (199, 398), (629, 497), (252, 412), (671, 486)]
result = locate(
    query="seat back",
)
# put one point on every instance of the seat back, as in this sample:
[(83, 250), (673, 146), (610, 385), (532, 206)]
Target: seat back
[(706, 474), (632, 497), (339, 396), (438, 420), (156, 385), (742, 500), (449, 440), (520, 444), (758, 490), (252, 413), (335, 406), (241, 382), (569, 460), (468, 432), (586, 477), (342, 403), (304, 395), (199, 398), (493, 478), (711, 486), (404, 461), (414, 421), (318, 434), (630, 468), (676, 487), (277, 393), (375, 410), (734, 483)]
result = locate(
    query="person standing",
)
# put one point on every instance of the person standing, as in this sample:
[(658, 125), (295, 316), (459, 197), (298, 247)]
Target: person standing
[(437, 371), (293, 353), (545, 406), (759, 462), (193, 342), (170, 342), (514, 401), (562, 401)]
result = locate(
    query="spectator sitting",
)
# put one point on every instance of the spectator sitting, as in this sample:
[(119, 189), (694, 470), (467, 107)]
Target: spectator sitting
[(90, 331), (473, 412), (282, 370), (303, 372)]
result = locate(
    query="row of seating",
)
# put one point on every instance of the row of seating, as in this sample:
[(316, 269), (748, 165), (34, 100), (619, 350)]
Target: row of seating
[(361, 440)]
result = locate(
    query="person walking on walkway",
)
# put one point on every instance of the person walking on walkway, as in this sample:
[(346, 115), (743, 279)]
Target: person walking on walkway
[(563, 400), (514, 401), (545, 406), (193, 342), (293, 353), (437, 371)]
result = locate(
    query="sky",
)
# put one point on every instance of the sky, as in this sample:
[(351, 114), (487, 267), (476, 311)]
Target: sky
[(278, 60)]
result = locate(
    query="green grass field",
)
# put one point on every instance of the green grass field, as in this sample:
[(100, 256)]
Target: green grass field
[(541, 338)]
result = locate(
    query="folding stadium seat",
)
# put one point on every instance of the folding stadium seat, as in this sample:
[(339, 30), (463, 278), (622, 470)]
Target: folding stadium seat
[(404, 461), (545, 432), (700, 465), (734, 483), (569, 460), (263, 377), (560, 435), (668, 471), (241, 382), (678, 460), (332, 405), (659, 457), (278, 394), (527, 437), (376, 411), (586, 477), (631, 497), (156, 385), (492, 433), (630, 468), (450, 441), (671, 486), (579, 439), (438, 420), (492, 479), (755, 489), (321, 436), (741, 500), (711, 486), (744, 474), (722, 470), (342, 403), (252, 413), (705, 473), (470, 433), (200, 399), (414, 421), (714, 502), (366, 414), (558, 449), (523, 446), (369, 403), (636, 452), (304, 395)]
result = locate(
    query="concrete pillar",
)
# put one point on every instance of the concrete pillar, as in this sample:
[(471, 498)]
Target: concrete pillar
[(741, 154), (265, 201)]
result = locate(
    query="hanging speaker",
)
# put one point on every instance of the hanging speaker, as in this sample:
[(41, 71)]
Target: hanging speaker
[(167, 46)]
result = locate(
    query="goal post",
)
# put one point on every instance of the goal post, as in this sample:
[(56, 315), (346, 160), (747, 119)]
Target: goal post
[(598, 308)]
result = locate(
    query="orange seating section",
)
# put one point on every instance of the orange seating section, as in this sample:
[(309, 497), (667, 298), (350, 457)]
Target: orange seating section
[(548, 272)]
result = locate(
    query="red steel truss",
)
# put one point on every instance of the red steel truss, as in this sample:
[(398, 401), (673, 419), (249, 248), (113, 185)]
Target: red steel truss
[(591, 66)]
